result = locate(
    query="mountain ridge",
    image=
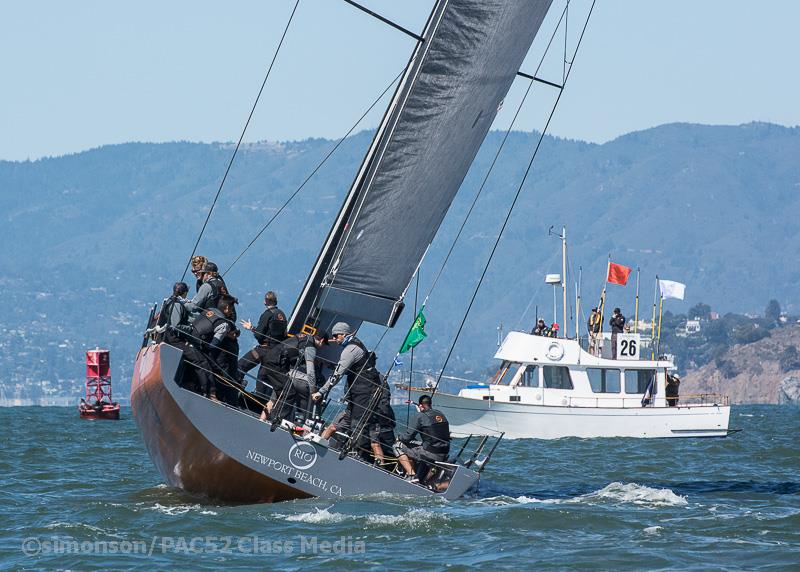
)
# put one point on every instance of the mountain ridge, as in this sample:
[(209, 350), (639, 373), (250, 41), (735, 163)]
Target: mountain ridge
[(97, 236)]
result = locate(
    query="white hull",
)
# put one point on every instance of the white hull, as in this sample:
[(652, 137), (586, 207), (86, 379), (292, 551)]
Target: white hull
[(521, 421)]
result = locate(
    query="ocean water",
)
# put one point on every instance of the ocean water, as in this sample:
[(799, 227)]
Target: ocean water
[(84, 495)]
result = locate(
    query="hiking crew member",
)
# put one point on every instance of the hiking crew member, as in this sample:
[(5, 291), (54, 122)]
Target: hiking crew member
[(617, 322), (593, 325), (262, 329), (306, 373), (212, 327), (197, 269), (212, 293), (381, 430), (433, 430), (174, 315), (271, 326), (363, 382)]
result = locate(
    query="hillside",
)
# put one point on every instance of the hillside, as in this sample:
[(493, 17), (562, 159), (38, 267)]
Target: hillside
[(92, 239), (750, 373)]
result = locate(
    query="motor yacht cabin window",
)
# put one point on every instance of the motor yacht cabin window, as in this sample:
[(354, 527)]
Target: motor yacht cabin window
[(530, 377), (637, 380), (556, 377), (604, 380)]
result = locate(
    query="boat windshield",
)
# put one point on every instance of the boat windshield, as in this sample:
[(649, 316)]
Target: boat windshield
[(604, 380), (505, 374)]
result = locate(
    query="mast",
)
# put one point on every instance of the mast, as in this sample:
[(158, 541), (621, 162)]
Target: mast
[(564, 277)]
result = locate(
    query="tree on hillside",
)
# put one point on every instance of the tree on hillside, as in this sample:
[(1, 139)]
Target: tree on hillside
[(773, 310), (789, 359), (700, 310)]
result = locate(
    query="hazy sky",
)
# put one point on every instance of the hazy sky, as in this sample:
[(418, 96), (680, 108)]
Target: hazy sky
[(80, 74)]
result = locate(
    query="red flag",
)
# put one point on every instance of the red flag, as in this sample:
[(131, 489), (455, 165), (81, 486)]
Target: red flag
[(618, 274)]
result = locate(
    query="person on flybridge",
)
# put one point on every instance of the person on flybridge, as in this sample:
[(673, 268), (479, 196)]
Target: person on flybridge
[(617, 322), (594, 324)]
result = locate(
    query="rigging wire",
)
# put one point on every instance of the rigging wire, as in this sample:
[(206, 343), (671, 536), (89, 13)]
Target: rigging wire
[(241, 137), (511, 208), (314, 172)]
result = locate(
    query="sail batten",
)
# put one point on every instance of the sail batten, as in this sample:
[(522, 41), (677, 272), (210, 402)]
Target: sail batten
[(436, 124)]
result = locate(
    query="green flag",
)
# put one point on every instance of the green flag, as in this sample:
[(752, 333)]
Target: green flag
[(416, 334)]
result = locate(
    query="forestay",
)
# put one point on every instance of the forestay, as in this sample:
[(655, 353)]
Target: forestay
[(440, 115)]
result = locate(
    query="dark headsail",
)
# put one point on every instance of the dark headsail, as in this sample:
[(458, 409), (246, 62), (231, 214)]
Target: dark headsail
[(438, 118)]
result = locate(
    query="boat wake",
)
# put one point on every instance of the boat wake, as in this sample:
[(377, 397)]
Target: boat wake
[(636, 494), (413, 518), (615, 493), (179, 509)]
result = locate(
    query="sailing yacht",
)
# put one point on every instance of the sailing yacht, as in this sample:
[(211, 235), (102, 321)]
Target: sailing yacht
[(460, 71)]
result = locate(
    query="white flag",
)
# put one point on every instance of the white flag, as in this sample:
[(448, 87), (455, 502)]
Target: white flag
[(670, 289)]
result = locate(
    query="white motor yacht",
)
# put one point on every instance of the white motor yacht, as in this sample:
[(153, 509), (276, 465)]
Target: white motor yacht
[(548, 388)]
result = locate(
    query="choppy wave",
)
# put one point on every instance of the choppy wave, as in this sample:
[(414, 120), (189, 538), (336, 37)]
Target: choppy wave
[(636, 494), (728, 503), (615, 492), (413, 518), (181, 509), (317, 516)]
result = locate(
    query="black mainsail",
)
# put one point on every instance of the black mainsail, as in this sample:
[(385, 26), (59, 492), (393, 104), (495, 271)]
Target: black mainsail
[(440, 114)]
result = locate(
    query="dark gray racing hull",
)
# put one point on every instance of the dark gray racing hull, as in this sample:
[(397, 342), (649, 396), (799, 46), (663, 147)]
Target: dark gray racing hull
[(206, 447)]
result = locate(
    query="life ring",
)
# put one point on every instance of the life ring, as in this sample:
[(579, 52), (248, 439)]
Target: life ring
[(555, 351)]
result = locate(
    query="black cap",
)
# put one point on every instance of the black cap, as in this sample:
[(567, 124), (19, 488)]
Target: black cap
[(209, 267), (425, 400)]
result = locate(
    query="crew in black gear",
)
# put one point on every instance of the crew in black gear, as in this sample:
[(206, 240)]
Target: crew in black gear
[(197, 377), (363, 390), (381, 430), (271, 326), (212, 328), (433, 430), (617, 322), (306, 371)]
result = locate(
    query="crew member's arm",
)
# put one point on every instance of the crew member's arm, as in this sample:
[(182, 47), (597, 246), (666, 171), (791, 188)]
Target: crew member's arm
[(220, 331), (200, 299), (176, 317), (311, 372), (412, 430), (350, 355)]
